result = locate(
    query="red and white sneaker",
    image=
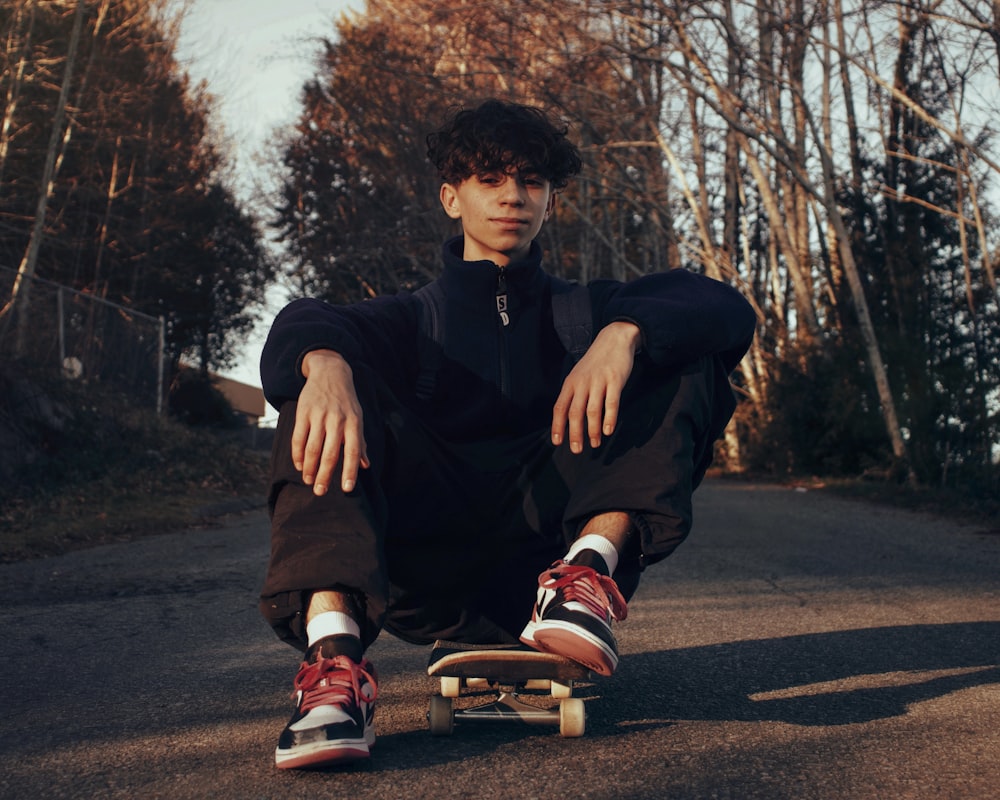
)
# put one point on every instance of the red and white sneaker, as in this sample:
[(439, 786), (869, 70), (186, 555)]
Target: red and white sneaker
[(572, 616), (334, 714)]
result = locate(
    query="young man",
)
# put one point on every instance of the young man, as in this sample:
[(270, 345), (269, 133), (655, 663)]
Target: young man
[(445, 470)]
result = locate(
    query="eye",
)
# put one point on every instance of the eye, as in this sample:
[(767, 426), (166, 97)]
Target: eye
[(534, 181), (490, 179)]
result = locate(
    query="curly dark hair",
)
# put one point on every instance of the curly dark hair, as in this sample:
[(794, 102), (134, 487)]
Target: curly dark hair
[(498, 137)]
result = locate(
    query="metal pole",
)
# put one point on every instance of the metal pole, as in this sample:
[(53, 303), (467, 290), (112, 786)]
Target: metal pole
[(159, 376), (62, 328)]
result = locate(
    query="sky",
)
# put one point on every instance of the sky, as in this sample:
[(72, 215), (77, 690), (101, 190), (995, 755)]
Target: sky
[(254, 55)]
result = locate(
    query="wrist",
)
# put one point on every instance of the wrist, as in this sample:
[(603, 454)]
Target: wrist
[(626, 332), (318, 358)]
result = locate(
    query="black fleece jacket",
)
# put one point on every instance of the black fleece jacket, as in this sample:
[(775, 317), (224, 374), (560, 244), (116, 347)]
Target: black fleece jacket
[(499, 380)]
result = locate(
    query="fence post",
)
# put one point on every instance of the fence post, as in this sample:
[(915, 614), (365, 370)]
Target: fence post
[(159, 371), (95, 349), (62, 328)]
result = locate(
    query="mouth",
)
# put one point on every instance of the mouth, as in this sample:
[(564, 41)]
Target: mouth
[(510, 222)]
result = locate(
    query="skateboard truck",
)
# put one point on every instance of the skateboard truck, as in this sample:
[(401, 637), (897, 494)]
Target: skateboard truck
[(511, 670)]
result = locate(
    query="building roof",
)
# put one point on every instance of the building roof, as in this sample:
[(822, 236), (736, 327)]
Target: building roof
[(243, 397)]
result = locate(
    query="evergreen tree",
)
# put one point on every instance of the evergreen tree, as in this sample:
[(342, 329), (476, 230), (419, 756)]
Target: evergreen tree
[(138, 210)]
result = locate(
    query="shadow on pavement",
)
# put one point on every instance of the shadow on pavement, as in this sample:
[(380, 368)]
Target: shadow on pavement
[(816, 679), (821, 679)]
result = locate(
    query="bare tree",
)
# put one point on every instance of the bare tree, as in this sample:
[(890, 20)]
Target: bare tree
[(17, 49), (26, 269), (765, 144)]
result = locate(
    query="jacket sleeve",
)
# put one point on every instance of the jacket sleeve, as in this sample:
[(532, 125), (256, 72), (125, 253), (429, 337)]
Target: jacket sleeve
[(380, 334), (682, 316)]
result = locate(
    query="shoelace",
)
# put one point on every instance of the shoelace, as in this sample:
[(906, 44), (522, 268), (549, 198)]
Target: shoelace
[(597, 592), (333, 681)]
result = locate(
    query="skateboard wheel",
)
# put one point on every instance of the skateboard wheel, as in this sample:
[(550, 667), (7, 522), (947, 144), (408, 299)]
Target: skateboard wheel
[(538, 684), (560, 691), (441, 716), (572, 717), (451, 687)]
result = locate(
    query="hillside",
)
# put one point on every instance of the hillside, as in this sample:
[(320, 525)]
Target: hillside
[(78, 468)]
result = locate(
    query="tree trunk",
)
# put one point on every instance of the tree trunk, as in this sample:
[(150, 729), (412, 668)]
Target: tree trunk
[(26, 270), (868, 334), (15, 78)]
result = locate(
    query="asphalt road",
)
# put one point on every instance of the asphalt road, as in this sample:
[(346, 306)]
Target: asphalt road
[(797, 646)]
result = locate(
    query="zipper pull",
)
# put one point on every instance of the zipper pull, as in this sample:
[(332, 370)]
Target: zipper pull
[(502, 298)]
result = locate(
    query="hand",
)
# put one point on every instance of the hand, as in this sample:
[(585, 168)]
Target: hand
[(328, 419), (591, 394)]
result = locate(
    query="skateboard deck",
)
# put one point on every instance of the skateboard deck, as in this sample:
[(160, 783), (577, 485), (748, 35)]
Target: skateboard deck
[(513, 671)]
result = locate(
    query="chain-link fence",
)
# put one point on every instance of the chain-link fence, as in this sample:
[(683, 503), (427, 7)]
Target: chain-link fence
[(85, 337)]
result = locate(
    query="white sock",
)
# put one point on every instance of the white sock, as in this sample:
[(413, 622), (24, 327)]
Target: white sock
[(331, 623), (600, 545)]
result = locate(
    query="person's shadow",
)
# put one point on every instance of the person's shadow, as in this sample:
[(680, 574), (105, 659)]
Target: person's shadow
[(813, 679)]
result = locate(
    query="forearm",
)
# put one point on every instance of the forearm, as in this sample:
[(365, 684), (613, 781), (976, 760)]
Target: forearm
[(302, 327), (683, 316), (380, 332)]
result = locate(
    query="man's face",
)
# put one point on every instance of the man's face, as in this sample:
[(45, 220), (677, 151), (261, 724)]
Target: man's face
[(501, 213)]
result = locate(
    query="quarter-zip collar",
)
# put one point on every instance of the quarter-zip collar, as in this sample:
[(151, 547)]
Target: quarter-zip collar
[(475, 282), (489, 309)]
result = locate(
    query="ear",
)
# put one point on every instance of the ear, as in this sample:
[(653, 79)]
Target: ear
[(449, 201), (551, 205)]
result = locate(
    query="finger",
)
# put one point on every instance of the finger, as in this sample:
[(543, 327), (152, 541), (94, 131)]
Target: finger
[(577, 417), (312, 456), (560, 411), (300, 433), (595, 418), (355, 457), (329, 452), (612, 405), (352, 463)]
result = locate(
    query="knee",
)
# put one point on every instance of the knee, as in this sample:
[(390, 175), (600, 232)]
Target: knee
[(698, 392)]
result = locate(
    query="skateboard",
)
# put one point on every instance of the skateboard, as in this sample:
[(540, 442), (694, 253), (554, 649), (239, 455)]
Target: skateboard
[(515, 672)]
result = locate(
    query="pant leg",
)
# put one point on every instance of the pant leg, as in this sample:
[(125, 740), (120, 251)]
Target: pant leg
[(423, 540), (446, 542), (333, 542), (649, 467), (477, 582)]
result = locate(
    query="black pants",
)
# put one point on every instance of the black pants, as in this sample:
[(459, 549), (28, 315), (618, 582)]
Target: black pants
[(447, 541)]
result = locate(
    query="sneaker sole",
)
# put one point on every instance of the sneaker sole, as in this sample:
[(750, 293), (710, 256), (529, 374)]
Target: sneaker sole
[(528, 634), (570, 643), (322, 754)]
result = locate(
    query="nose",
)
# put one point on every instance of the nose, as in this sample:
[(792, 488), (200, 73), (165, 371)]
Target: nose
[(513, 192)]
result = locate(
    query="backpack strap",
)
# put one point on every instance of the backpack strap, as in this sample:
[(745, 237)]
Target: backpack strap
[(572, 316), (430, 351)]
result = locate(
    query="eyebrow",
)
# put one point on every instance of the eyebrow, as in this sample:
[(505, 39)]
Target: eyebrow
[(527, 171)]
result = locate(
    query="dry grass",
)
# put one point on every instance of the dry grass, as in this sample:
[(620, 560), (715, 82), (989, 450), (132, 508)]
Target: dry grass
[(116, 475)]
